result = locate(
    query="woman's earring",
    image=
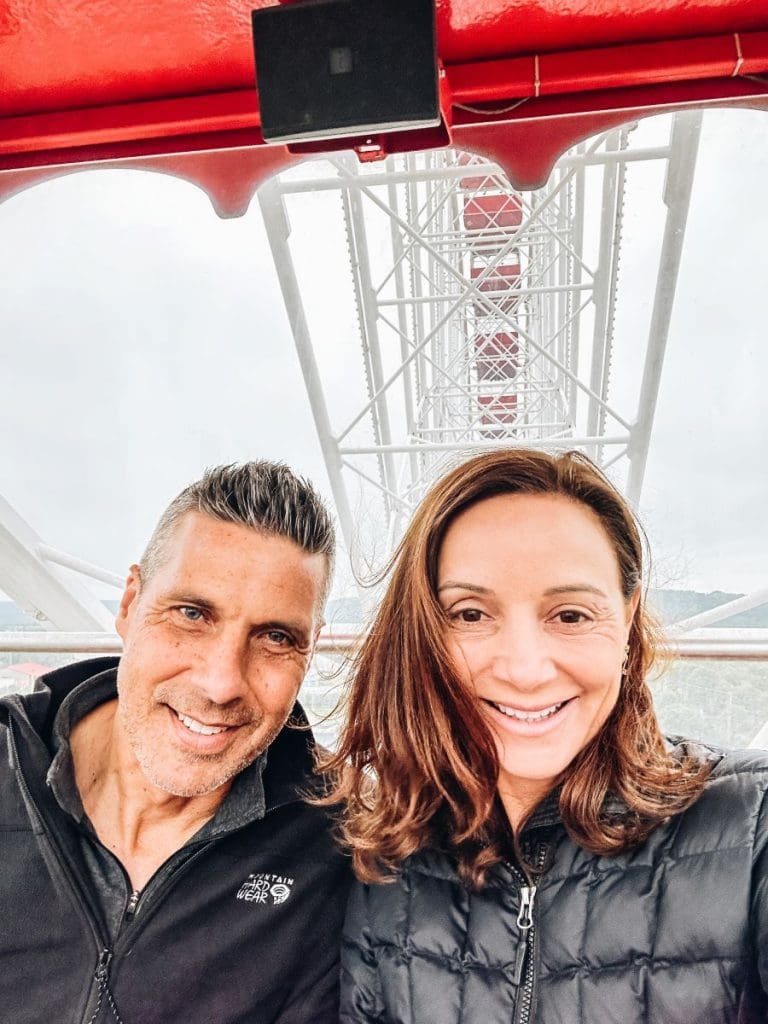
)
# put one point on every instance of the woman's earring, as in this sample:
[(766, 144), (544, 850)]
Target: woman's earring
[(626, 660)]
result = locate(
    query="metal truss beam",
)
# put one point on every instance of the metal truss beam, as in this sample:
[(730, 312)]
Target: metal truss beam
[(506, 442), (278, 232), (40, 588), (471, 321), (684, 146), (487, 169), (723, 611)]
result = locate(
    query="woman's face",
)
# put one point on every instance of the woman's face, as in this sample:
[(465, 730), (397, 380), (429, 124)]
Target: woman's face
[(536, 624)]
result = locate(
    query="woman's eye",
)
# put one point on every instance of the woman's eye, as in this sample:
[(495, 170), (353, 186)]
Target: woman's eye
[(466, 615), (572, 617)]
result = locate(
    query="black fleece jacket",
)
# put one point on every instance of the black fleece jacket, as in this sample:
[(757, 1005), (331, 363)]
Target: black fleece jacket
[(243, 930)]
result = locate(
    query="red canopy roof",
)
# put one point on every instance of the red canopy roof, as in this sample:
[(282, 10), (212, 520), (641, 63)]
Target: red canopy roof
[(172, 82)]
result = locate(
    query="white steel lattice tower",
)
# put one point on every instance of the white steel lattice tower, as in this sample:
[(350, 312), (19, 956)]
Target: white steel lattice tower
[(485, 314)]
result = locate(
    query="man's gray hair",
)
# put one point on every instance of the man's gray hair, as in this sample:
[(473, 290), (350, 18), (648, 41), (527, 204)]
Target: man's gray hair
[(265, 496)]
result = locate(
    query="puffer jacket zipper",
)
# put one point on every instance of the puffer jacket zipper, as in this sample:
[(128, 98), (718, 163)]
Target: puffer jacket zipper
[(525, 959), (525, 924)]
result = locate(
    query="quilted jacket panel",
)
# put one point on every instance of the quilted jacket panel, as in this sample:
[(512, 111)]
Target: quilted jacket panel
[(675, 932)]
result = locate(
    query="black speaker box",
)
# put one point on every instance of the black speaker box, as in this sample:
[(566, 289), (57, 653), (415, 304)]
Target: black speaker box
[(326, 68)]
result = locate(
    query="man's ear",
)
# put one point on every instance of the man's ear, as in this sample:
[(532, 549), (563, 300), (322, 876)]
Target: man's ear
[(130, 593)]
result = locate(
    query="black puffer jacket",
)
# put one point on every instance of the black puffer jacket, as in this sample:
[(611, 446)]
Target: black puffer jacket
[(675, 932)]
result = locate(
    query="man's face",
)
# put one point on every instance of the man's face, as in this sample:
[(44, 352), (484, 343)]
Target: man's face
[(216, 644)]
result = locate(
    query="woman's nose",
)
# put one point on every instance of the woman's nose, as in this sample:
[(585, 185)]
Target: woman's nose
[(522, 656)]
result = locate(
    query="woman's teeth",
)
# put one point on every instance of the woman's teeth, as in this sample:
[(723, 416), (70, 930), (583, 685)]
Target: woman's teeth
[(529, 716)]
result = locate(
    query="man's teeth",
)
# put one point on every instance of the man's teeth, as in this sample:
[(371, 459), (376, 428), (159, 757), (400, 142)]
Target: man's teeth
[(194, 726), (529, 716)]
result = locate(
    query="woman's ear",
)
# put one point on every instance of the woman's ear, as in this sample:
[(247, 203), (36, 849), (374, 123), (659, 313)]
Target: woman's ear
[(632, 606)]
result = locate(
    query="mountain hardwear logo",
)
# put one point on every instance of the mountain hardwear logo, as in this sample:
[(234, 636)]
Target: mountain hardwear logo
[(263, 887)]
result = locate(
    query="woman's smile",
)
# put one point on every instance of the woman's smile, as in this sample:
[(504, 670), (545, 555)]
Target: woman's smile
[(532, 722)]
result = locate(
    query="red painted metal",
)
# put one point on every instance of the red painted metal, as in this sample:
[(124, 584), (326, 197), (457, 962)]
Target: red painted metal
[(500, 279), (500, 412), (474, 30), (106, 81), (485, 212), (613, 67), (496, 356)]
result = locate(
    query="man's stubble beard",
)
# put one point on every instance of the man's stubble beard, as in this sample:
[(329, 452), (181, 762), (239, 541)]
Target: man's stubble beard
[(147, 760)]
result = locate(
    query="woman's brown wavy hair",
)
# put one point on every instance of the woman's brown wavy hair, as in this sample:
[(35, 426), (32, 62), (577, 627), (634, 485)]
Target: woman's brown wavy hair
[(416, 765)]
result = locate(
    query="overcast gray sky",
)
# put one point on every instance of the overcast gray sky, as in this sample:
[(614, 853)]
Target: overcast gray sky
[(143, 338)]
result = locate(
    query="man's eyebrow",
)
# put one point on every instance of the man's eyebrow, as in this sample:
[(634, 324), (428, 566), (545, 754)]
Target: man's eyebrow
[(475, 588), (575, 588), (183, 598)]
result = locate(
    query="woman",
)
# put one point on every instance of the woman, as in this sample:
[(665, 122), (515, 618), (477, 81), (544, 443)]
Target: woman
[(549, 857)]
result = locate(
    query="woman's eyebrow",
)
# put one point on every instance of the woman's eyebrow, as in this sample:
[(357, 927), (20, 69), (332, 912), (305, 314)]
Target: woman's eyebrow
[(572, 588), (458, 585)]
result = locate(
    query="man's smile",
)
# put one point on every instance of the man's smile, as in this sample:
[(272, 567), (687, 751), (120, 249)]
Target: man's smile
[(204, 737), (201, 727)]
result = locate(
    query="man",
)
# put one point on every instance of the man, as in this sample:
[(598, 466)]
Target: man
[(158, 860)]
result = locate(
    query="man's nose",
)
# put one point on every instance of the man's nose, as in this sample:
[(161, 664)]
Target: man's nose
[(522, 656), (223, 675)]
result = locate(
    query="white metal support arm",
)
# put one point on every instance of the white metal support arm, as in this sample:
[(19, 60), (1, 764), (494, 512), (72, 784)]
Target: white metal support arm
[(40, 587)]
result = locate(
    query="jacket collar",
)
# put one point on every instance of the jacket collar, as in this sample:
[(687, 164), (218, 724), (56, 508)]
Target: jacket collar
[(545, 814), (287, 777)]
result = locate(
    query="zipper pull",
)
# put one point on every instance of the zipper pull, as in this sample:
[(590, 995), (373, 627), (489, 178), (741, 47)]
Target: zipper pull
[(520, 956), (102, 964), (525, 917), (133, 902)]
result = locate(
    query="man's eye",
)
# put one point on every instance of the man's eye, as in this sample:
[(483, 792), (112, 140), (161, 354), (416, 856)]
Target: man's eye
[(190, 613), (277, 636)]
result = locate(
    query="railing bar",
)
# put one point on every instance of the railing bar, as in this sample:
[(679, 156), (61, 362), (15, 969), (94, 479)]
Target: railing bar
[(46, 642)]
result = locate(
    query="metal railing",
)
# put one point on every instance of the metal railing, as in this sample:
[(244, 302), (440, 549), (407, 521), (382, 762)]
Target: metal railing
[(710, 644)]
